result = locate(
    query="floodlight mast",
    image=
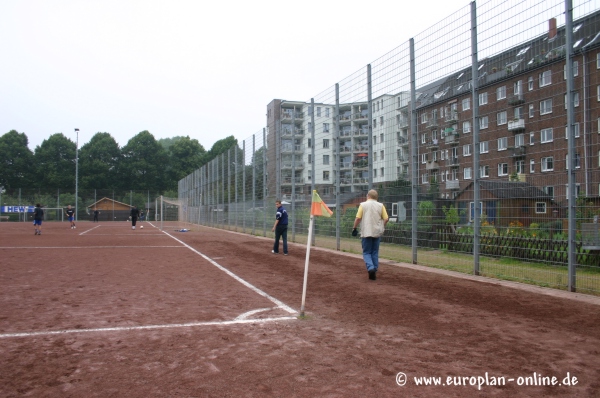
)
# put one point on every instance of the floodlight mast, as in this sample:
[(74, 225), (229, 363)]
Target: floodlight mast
[(76, 171)]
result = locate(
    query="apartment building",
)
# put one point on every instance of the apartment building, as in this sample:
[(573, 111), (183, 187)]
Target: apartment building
[(521, 94)]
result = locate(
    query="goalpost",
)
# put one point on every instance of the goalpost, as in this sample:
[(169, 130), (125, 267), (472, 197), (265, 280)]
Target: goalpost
[(172, 213)]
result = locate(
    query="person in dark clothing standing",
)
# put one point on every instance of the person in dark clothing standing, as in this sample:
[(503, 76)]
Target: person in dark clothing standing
[(134, 214), (71, 216), (280, 228), (38, 216), (96, 213)]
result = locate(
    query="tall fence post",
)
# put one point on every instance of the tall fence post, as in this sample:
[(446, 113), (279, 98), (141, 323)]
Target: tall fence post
[(370, 137), (414, 155), (337, 182), (572, 199), (476, 146)]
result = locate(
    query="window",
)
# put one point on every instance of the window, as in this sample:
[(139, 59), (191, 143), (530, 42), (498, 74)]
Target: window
[(546, 135), (374, 139), (374, 173), (502, 169), (518, 87), (423, 158), (374, 156), (484, 171), (423, 138), (468, 173), (484, 147), (325, 175), (381, 121), (549, 190), (325, 143), (466, 104), (424, 179), (547, 164), (530, 83), (318, 111), (483, 99), (598, 92), (423, 117), (575, 100), (546, 106), (532, 166), (577, 161), (500, 93), (381, 153), (531, 138), (325, 159), (467, 150), (309, 158), (545, 78), (381, 138), (310, 143), (575, 69), (575, 131), (467, 125), (501, 118), (381, 171), (326, 127), (326, 112), (540, 207), (519, 140), (531, 111), (374, 123), (598, 61), (483, 122), (518, 112), (520, 166), (502, 143)]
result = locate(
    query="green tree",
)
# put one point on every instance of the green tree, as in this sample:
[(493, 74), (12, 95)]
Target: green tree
[(98, 162), (144, 164), (186, 155), (16, 161), (220, 147), (55, 163)]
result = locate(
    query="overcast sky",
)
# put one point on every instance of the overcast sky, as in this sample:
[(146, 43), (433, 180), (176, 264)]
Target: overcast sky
[(202, 68)]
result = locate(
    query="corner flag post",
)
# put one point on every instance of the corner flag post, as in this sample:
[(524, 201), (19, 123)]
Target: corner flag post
[(318, 208)]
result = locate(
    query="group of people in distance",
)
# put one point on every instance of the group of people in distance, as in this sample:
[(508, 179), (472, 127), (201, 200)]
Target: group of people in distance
[(371, 215), (38, 217)]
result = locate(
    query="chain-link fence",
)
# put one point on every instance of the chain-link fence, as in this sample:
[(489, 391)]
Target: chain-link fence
[(481, 135), (104, 205)]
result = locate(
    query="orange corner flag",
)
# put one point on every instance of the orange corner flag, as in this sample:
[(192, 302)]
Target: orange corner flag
[(319, 208)]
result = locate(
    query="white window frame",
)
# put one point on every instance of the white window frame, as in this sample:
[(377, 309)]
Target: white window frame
[(483, 98), (531, 111), (325, 159), (500, 93), (530, 83), (466, 104), (545, 161), (546, 78), (483, 122), (467, 150), (541, 207), (546, 106), (546, 135), (468, 173), (484, 171), (519, 140), (502, 143), (467, 124), (484, 147), (501, 118), (502, 169), (531, 166), (575, 131)]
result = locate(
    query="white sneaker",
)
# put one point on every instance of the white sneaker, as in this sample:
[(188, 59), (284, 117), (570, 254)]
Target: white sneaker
[(74, 227), (132, 227)]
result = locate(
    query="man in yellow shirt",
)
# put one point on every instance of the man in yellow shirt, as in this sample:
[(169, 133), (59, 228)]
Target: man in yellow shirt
[(374, 217)]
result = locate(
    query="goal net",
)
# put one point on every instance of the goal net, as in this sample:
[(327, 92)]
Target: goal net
[(172, 214)]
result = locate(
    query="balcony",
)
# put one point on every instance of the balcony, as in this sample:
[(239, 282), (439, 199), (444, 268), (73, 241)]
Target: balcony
[(402, 140), (403, 122), (361, 147), (290, 180), (361, 131), (452, 162), (346, 116), (362, 115), (432, 165), (346, 133), (517, 152), (289, 132), (289, 165), (516, 99), (299, 197), (432, 123), (345, 181), (361, 164), (345, 165), (452, 117), (345, 148), (452, 184), (402, 159), (360, 180), (433, 144), (289, 114), (452, 139), (288, 148), (516, 125)]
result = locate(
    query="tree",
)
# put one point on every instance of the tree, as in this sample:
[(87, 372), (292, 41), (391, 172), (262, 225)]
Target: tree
[(166, 143), (186, 155), (220, 147), (55, 163), (98, 162), (16, 161), (144, 164)]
